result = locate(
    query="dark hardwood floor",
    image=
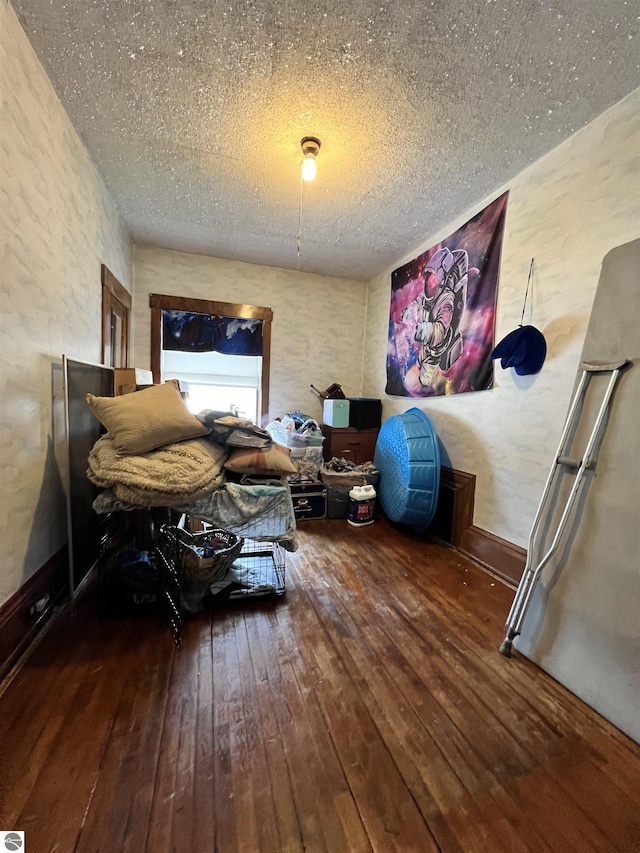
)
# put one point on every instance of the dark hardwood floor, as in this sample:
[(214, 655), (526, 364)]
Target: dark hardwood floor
[(367, 710)]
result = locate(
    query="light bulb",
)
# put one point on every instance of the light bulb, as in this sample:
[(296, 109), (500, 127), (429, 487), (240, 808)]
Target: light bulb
[(309, 167)]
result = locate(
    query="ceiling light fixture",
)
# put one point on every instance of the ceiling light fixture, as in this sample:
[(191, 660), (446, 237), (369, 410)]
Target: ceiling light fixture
[(310, 147)]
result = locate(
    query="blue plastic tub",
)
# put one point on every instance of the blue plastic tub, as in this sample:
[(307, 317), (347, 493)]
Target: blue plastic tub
[(408, 458)]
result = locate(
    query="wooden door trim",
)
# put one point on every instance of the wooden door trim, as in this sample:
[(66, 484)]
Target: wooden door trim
[(114, 294)]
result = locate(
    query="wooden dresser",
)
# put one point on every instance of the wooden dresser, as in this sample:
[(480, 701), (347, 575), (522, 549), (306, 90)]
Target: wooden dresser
[(358, 445)]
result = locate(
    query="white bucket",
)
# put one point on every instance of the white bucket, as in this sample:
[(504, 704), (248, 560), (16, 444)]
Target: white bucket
[(362, 505)]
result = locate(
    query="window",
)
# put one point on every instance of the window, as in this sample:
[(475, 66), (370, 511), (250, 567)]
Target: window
[(221, 349), (216, 380)]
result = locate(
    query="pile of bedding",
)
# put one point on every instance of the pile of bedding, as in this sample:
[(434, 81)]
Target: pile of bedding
[(157, 453), (169, 476)]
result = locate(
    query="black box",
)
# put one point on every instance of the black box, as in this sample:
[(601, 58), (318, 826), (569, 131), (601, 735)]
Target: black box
[(365, 413), (309, 500)]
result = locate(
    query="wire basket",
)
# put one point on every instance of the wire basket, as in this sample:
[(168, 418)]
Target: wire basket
[(206, 557)]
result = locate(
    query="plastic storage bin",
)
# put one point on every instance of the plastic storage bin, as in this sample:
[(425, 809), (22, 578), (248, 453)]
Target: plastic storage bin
[(338, 501), (339, 484)]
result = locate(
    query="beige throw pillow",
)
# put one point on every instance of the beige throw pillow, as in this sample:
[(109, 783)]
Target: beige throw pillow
[(146, 420), (253, 460)]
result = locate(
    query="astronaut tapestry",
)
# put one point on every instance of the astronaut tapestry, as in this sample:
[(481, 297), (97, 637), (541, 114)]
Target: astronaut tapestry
[(441, 322)]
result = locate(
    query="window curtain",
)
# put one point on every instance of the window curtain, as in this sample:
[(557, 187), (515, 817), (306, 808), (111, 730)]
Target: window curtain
[(184, 331)]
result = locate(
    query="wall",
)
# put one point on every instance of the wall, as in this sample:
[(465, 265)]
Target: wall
[(57, 226), (318, 322), (567, 210)]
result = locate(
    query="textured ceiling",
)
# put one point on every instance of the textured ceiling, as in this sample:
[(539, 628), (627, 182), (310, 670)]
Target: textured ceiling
[(193, 112)]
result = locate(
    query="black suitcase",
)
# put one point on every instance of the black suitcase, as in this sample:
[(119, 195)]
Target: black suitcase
[(309, 500)]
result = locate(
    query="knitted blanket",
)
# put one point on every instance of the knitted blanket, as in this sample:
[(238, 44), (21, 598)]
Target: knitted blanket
[(169, 476)]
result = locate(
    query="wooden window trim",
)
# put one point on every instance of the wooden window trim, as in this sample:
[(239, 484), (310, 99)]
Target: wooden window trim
[(159, 303), (115, 299)]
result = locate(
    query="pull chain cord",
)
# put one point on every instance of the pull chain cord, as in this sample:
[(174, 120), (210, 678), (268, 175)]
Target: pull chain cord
[(529, 281), (300, 217)]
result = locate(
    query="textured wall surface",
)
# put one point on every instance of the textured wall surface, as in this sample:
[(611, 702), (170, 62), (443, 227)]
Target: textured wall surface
[(57, 225), (567, 210), (318, 322)]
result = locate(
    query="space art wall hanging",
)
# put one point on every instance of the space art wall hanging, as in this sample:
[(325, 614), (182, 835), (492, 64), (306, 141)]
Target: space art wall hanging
[(442, 315)]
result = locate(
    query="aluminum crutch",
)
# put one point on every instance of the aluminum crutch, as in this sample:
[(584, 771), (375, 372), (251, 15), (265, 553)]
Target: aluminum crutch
[(531, 575)]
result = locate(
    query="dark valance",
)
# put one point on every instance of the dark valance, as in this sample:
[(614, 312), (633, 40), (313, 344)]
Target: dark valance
[(188, 332)]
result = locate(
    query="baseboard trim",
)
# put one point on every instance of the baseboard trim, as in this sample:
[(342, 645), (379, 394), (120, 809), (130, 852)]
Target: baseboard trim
[(453, 525), (497, 555), (18, 627), (454, 512)]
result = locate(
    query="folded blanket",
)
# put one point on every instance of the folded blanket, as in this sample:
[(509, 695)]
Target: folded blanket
[(168, 476), (260, 512), (107, 502), (237, 432)]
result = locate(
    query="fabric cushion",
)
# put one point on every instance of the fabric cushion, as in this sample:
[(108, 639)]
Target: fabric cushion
[(147, 419), (233, 431), (251, 460)]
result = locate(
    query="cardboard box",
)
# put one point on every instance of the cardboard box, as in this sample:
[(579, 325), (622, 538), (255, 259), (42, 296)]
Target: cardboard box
[(127, 379)]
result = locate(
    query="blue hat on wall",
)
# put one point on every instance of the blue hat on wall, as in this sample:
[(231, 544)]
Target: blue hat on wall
[(524, 349)]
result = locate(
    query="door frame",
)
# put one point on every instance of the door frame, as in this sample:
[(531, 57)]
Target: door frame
[(116, 302)]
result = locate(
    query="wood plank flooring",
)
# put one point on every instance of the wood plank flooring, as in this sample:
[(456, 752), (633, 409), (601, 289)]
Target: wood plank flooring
[(366, 710)]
